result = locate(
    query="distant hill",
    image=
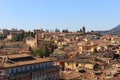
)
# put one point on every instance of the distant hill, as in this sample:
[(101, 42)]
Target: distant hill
[(114, 31)]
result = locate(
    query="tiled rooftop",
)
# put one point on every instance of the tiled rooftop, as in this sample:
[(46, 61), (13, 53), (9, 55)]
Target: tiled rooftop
[(7, 60)]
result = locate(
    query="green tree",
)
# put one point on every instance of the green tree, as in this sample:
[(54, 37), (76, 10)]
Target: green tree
[(41, 52), (45, 51), (95, 51), (3, 46), (65, 30), (36, 52), (20, 37)]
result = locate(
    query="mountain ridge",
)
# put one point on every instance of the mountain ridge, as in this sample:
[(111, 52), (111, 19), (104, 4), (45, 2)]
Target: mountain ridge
[(113, 31)]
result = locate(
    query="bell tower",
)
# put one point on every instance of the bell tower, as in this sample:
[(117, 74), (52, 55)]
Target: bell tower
[(83, 30)]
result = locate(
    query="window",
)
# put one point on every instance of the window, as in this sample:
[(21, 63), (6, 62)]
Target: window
[(67, 63), (43, 65), (32, 67), (76, 65), (19, 70), (48, 64), (23, 68), (37, 66), (10, 71), (28, 68), (14, 70), (40, 66)]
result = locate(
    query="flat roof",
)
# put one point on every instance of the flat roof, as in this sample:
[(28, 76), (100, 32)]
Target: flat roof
[(10, 63), (79, 61)]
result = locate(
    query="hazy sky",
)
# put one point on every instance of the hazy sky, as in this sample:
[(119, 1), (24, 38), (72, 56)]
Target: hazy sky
[(51, 14)]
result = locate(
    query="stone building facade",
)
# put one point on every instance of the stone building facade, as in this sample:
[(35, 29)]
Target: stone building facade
[(26, 67)]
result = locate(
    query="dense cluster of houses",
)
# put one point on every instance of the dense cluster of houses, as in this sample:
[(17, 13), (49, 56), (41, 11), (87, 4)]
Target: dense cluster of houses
[(79, 55)]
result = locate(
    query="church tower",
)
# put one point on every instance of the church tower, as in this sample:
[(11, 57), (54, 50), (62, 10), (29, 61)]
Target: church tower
[(83, 30)]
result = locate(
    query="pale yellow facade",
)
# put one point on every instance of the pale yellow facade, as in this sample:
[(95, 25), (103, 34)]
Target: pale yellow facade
[(77, 66), (86, 49), (89, 66), (32, 42)]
